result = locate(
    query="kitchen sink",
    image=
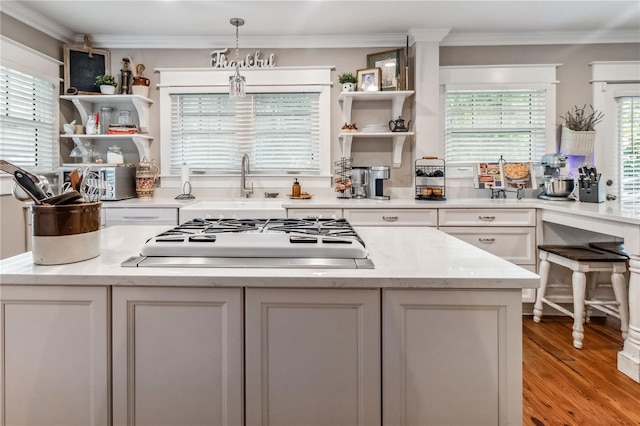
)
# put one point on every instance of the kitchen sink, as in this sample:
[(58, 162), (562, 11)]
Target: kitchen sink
[(241, 209)]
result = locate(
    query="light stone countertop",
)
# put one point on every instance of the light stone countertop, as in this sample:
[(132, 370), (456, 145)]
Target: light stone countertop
[(404, 257), (610, 210)]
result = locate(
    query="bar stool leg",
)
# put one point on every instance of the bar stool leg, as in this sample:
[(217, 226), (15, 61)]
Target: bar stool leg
[(544, 278), (579, 283), (592, 282), (619, 285)]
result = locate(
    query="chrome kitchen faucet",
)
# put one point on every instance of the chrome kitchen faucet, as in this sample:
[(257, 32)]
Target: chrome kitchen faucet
[(244, 170)]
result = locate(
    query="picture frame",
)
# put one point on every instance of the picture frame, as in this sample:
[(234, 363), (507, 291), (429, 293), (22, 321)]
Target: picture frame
[(391, 64), (81, 67), (368, 79)]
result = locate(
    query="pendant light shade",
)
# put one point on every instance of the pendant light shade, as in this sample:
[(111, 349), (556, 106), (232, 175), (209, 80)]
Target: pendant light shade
[(237, 83)]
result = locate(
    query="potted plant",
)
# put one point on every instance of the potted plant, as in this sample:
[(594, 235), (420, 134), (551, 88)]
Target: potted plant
[(348, 81), (578, 130), (107, 84)]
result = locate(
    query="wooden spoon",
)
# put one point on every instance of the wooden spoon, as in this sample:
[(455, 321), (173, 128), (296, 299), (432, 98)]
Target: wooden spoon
[(74, 178)]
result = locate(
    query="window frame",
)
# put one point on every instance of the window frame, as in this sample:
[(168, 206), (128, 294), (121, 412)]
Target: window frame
[(266, 80), (499, 77), (21, 58), (611, 79)]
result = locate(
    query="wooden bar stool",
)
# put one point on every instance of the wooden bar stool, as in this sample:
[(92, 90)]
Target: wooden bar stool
[(582, 260)]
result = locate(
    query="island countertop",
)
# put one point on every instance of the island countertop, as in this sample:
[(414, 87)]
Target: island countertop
[(404, 257)]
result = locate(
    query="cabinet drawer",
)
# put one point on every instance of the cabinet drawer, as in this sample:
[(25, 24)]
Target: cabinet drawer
[(140, 216), (517, 245), (487, 217), (391, 217), (314, 213)]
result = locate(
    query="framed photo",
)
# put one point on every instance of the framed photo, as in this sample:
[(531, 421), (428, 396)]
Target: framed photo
[(391, 64), (82, 66), (369, 80)]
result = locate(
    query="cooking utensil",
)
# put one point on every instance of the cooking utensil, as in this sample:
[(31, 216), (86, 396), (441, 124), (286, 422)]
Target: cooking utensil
[(29, 186), (71, 197), (7, 167), (74, 178)]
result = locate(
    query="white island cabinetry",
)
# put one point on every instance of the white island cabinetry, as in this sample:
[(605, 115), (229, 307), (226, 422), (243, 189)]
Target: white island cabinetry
[(313, 356), (451, 357), (54, 356), (177, 356)]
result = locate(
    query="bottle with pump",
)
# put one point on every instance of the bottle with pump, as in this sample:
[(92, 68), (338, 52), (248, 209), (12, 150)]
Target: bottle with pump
[(295, 189)]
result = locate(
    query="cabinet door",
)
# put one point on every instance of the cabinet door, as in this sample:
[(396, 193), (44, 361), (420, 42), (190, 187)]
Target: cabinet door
[(177, 356), (54, 356), (392, 217), (517, 245), (312, 357), (452, 357)]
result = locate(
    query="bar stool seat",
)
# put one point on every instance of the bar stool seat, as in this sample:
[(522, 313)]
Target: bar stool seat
[(611, 246), (582, 260)]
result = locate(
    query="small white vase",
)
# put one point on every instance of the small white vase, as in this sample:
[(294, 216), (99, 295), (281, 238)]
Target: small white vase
[(348, 87), (106, 89)]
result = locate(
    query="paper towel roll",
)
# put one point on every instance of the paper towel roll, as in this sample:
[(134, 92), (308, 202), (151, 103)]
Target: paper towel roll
[(184, 177)]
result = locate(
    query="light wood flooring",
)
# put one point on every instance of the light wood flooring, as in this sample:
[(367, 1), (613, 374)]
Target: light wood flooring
[(567, 386)]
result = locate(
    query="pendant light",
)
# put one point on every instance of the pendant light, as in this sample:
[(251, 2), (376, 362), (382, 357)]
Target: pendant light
[(236, 81)]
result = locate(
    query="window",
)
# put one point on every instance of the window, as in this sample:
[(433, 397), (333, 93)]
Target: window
[(284, 126), (27, 120), (497, 111), (279, 131), (485, 125), (628, 123)]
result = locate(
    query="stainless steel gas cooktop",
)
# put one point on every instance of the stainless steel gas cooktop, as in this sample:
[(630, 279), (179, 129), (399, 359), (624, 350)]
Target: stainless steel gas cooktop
[(256, 243)]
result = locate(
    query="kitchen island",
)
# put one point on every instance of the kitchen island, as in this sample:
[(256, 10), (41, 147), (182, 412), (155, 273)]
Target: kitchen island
[(432, 335)]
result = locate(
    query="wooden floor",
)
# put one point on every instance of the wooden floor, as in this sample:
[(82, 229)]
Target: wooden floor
[(567, 386)]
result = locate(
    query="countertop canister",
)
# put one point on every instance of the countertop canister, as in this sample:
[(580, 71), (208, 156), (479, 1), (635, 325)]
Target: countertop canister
[(65, 233)]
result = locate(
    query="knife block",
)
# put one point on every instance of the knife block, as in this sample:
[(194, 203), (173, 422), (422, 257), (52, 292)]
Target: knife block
[(591, 192)]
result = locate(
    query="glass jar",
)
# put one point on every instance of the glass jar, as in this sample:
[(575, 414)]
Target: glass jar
[(114, 155), (92, 126), (124, 119), (106, 118)]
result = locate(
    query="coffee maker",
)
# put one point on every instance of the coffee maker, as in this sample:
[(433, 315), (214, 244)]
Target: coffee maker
[(359, 182), (377, 176)]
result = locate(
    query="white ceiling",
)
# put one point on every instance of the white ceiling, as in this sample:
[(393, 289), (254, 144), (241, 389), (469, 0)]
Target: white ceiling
[(329, 23)]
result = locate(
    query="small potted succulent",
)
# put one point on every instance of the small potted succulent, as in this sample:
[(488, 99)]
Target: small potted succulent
[(578, 131), (348, 81), (107, 84)]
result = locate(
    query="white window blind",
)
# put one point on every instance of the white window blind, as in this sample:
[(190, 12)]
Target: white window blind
[(279, 131), (483, 125), (629, 151), (27, 120)]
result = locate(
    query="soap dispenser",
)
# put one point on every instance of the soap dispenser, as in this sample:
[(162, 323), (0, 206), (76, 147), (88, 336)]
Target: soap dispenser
[(295, 189)]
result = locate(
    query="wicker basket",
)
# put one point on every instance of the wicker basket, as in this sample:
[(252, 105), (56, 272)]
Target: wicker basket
[(577, 143)]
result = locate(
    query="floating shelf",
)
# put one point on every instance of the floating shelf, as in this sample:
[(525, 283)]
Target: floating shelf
[(142, 142), (85, 105), (397, 99)]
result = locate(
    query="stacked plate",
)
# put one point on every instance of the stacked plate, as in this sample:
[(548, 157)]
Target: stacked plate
[(375, 128)]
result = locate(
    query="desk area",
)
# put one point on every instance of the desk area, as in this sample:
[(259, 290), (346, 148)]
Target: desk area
[(621, 222)]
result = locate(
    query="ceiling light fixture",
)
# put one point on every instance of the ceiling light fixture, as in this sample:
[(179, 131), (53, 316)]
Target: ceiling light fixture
[(236, 81)]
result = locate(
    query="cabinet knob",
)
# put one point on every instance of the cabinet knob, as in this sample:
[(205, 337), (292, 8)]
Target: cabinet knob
[(487, 218)]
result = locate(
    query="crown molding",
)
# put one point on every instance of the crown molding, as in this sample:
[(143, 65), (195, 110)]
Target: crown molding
[(32, 18), (541, 38), (246, 42)]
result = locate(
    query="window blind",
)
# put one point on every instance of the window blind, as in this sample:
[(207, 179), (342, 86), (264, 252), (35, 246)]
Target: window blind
[(629, 151), (27, 120), (279, 131), (483, 125)]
